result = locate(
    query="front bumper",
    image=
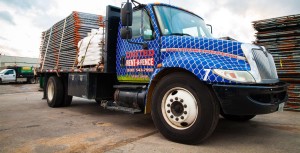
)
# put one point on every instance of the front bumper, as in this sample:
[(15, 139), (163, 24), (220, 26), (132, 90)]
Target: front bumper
[(251, 99)]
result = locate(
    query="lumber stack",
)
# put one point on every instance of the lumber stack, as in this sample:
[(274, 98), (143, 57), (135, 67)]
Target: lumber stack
[(281, 36), (59, 50)]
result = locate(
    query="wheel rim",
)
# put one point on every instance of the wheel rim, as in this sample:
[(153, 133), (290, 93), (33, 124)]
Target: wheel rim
[(50, 91), (179, 108)]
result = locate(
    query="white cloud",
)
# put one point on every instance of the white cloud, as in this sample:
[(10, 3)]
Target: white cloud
[(30, 17)]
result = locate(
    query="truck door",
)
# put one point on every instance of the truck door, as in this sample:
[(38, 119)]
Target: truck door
[(9, 75), (135, 62)]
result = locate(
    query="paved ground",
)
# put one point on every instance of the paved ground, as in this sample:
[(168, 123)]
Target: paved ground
[(27, 124), (9, 88)]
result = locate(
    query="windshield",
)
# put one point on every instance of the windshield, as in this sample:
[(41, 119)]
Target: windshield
[(2, 71), (174, 21)]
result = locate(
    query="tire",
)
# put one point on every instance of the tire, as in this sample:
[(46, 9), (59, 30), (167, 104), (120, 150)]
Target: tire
[(184, 109), (98, 101), (67, 99), (54, 92), (238, 118), (32, 80)]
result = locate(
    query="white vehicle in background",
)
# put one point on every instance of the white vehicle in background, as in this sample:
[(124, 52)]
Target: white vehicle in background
[(17, 74)]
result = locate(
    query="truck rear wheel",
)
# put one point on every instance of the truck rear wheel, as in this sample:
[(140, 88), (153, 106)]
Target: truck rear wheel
[(184, 109), (98, 101), (238, 118), (31, 80), (67, 100), (54, 92)]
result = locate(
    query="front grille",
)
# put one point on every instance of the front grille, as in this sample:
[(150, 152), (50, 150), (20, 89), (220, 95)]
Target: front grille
[(265, 64), (269, 98)]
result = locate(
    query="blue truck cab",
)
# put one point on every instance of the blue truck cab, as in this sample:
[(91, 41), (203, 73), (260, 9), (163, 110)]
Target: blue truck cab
[(172, 51), (161, 59)]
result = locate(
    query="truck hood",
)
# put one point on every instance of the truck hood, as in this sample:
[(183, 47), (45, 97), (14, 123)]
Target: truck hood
[(202, 45), (208, 52), (203, 54)]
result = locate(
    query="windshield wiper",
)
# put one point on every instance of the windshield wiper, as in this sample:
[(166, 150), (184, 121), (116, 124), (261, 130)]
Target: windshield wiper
[(179, 34)]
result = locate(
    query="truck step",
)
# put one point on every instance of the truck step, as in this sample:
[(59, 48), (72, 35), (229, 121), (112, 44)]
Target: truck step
[(124, 109), (128, 86), (112, 105)]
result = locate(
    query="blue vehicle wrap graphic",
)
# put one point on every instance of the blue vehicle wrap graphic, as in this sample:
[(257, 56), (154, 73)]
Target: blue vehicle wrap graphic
[(197, 55), (133, 71)]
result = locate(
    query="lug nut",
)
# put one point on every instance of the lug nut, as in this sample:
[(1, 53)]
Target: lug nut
[(177, 119), (168, 105), (168, 111), (182, 117), (181, 100), (171, 100), (176, 98), (171, 116), (185, 106), (185, 112)]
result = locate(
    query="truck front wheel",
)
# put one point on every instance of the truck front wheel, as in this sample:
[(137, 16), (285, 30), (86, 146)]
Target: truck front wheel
[(184, 109), (54, 92)]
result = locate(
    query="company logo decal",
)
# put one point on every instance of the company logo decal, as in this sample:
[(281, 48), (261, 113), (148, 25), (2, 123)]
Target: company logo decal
[(140, 58)]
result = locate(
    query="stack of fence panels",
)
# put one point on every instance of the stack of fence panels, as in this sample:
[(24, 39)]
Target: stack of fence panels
[(281, 36), (58, 48)]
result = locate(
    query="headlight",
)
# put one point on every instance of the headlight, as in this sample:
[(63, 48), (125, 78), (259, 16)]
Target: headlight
[(237, 76), (247, 49)]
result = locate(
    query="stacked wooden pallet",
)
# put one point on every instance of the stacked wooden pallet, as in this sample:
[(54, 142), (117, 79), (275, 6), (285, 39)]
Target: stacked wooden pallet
[(281, 36)]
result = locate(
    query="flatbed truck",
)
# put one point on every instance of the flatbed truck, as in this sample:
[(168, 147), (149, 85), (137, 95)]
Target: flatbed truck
[(162, 59)]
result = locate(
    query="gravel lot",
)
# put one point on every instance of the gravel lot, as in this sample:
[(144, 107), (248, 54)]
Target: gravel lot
[(27, 124)]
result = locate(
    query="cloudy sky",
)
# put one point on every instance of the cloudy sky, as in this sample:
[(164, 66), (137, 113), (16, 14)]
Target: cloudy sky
[(22, 21)]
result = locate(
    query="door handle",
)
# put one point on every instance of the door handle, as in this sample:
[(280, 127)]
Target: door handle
[(123, 61), (145, 46)]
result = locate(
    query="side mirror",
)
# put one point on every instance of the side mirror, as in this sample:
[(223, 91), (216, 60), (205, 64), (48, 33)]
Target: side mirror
[(209, 27), (126, 33), (126, 14)]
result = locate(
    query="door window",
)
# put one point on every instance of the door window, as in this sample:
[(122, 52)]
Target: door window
[(9, 72), (136, 24), (147, 28), (137, 29)]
